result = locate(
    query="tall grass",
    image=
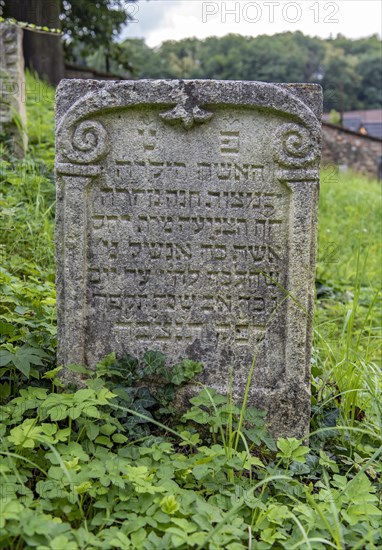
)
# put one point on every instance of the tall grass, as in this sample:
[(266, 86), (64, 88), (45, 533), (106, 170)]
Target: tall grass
[(27, 191), (348, 338)]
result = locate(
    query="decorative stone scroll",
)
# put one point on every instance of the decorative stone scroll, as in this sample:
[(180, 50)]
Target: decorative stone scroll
[(12, 84), (186, 223)]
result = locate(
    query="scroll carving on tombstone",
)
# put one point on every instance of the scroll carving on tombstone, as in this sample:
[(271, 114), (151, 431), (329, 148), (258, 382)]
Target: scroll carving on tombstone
[(186, 223)]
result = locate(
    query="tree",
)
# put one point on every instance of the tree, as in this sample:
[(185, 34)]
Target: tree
[(89, 25), (182, 58), (369, 68), (86, 24), (142, 59), (349, 70), (341, 81), (42, 52)]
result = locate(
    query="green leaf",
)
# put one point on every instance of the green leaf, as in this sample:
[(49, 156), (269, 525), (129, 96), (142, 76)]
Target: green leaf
[(92, 411), (6, 328), (154, 361), (144, 400), (23, 358), (82, 395), (119, 438), (169, 505), (103, 440), (92, 431), (75, 412), (292, 448), (204, 398), (5, 390), (104, 395), (104, 365), (51, 374), (107, 429), (21, 310), (62, 543), (62, 435), (200, 471), (185, 371), (22, 364), (79, 369), (48, 429), (6, 357), (58, 413)]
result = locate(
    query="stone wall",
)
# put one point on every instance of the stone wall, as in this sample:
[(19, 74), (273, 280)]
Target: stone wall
[(78, 71), (351, 150)]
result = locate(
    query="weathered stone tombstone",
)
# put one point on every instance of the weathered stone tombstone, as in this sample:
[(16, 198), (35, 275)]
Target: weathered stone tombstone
[(12, 84), (186, 223)]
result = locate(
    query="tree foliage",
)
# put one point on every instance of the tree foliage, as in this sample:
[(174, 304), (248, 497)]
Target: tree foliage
[(349, 70), (89, 24), (43, 53)]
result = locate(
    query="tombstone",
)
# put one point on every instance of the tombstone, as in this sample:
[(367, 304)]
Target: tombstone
[(12, 85), (186, 223)]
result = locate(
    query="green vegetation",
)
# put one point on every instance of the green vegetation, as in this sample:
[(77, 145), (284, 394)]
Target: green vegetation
[(85, 25), (111, 465), (348, 70)]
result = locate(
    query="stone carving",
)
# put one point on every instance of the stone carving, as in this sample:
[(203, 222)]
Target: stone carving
[(295, 146), (186, 116), (89, 143), (197, 240), (12, 85)]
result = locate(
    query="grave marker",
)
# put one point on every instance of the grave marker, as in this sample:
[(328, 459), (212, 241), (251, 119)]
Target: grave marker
[(12, 84), (186, 223)]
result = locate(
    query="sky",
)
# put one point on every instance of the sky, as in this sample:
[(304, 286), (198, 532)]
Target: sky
[(160, 20)]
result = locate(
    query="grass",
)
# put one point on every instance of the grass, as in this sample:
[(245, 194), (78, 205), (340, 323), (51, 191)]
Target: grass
[(350, 226), (348, 312), (28, 192), (101, 468)]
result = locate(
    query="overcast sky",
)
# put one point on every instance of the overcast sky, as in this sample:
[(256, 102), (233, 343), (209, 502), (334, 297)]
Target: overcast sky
[(160, 20)]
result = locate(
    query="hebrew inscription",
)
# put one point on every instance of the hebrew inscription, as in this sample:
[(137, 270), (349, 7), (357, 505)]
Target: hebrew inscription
[(191, 231)]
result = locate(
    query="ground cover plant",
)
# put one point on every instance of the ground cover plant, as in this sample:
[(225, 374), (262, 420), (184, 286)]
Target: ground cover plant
[(112, 465)]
